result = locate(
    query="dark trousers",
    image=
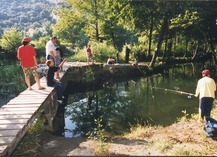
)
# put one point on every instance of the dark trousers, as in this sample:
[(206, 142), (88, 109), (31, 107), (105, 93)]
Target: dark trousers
[(206, 104), (60, 89)]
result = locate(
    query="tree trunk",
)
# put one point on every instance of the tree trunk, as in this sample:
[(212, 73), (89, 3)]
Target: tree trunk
[(165, 48), (150, 36), (113, 39), (163, 30), (96, 20), (195, 51), (186, 47)]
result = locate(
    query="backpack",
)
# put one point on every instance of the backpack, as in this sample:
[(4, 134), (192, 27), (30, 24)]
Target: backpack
[(210, 127)]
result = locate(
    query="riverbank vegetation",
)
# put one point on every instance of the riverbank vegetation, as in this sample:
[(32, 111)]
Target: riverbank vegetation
[(150, 29), (185, 137)]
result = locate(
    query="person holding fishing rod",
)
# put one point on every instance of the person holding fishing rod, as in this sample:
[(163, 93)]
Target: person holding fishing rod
[(206, 88)]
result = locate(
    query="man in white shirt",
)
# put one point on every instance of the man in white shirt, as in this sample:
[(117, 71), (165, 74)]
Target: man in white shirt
[(51, 49), (206, 87)]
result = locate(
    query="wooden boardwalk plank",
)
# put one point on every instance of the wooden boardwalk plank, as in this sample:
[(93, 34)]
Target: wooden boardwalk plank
[(2, 148), (24, 97), (15, 116), (47, 91), (13, 121), (19, 113), (37, 101), (31, 96), (11, 127), (21, 105), (28, 99), (6, 133), (5, 109), (6, 140), (15, 112)]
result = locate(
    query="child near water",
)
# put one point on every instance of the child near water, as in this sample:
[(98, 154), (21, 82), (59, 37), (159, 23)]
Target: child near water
[(57, 63), (51, 82)]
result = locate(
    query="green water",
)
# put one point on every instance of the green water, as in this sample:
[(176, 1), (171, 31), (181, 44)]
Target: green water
[(134, 101)]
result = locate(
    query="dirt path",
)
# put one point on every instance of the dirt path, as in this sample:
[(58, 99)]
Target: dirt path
[(185, 138)]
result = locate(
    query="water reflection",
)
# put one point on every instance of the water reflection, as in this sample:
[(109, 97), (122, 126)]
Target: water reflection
[(129, 102), (126, 103)]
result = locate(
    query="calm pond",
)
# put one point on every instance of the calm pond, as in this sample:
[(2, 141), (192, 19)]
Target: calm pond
[(134, 101)]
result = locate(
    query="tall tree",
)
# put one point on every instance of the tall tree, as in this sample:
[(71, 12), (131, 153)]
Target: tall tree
[(92, 11), (11, 40), (112, 29), (69, 26)]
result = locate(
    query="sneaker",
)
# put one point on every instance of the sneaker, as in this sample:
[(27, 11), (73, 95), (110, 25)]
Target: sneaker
[(60, 101)]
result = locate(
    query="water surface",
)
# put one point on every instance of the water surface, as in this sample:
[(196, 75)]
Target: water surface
[(134, 101)]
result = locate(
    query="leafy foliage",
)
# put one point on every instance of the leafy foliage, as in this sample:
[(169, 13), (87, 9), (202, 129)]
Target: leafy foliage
[(159, 27), (70, 27), (25, 14), (11, 40), (101, 52), (99, 135)]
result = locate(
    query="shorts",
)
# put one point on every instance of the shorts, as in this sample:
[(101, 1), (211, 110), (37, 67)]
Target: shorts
[(89, 56), (26, 71)]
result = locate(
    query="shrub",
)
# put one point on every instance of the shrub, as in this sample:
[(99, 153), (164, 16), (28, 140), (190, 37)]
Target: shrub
[(101, 52)]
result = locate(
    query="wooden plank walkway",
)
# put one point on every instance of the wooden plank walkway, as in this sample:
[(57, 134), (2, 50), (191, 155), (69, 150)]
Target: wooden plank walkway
[(18, 114)]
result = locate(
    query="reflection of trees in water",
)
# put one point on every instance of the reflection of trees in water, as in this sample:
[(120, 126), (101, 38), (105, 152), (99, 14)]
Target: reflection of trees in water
[(127, 103), (115, 105)]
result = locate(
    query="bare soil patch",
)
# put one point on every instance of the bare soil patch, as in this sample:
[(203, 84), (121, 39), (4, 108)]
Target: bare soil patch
[(185, 138)]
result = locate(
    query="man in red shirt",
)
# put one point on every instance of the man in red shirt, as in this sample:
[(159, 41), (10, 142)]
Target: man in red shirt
[(27, 56)]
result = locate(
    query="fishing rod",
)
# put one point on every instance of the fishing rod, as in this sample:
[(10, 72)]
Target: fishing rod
[(175, 91), (140, 69), (137, 66)]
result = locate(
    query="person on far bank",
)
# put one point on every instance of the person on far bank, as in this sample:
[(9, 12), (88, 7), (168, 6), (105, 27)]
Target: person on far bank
[(51, 82), (89, 54), (206, 88), (110, 60), (27, 56)]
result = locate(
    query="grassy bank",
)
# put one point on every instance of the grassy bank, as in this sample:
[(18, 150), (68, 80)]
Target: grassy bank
[(183, 138)]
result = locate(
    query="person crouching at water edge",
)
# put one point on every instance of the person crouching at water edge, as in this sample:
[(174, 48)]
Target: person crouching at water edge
[(51, 82), (206, 87)]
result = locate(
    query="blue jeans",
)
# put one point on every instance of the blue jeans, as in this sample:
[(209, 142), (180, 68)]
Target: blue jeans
[(206, 104), (60, 89)]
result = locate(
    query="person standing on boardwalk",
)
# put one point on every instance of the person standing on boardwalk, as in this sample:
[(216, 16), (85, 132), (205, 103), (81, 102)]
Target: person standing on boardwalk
[(27, 56), (51, 49), (89, 54), (58, 61), (58, 50), (51, 82), (206, 87)]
